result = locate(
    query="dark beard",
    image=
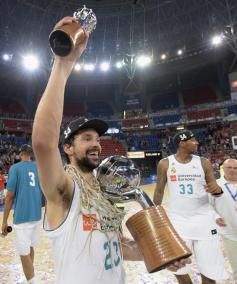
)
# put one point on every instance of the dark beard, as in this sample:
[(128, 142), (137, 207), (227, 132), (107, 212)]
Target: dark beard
[(86, 165)]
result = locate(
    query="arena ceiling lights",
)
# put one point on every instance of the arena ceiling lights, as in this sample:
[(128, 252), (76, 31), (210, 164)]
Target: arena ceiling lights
[(124, 28), (119, 64), (30, 62), (77, 67), (217, 39), (89, 67), (143, 60), (163, 56), (104, 66), (7, 57)]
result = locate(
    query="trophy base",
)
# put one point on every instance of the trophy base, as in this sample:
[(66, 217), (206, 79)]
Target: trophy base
[(62, 40), (61, 44), (157, 239), (164, 265)]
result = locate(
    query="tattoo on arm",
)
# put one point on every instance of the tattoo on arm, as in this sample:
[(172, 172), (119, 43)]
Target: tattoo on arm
[(208, 170)]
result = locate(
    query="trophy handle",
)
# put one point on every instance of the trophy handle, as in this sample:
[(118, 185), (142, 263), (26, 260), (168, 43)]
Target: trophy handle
[(134, 194), (143, 199), (140, 196)]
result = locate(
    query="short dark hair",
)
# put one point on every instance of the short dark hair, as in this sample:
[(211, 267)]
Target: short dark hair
[(69, 141), (26, 148)]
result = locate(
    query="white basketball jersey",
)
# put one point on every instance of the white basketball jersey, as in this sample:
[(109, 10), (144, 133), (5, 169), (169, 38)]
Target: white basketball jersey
[(188, 203), (83, 255)]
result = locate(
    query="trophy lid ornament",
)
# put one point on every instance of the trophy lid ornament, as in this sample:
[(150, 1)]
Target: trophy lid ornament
[(87, 18)]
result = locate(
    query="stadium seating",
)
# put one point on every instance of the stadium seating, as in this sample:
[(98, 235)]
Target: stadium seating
[(232, 109), (166, 119), (112, 147), (135, 123), (198, 95), (204, 114)]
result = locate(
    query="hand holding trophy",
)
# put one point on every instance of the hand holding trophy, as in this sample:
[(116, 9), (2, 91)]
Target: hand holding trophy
[(63, 39), (151, 229)]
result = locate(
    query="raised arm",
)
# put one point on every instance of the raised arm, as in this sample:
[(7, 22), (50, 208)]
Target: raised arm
[(212, 186), (161, 181), (55, 183)]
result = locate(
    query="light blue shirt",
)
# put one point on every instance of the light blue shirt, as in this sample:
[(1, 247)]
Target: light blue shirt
[(23, 180)]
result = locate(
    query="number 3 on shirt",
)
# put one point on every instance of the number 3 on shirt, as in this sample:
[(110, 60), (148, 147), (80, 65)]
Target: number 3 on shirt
[(32, 178), (108, 258), (188, 189)]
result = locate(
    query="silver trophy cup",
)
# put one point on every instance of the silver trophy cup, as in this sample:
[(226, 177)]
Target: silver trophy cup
[(157, 239), (63, 40), (119, 180)]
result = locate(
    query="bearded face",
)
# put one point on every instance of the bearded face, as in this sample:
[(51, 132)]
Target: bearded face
[(87, 164), (85, 150)]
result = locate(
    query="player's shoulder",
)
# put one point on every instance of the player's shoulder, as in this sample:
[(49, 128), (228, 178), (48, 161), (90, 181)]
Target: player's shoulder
[(201, 157), (197, 157), (164, 163), (164, 160), (25, 166), (32, 165), (15, 166), (204, 160), (167, 159)]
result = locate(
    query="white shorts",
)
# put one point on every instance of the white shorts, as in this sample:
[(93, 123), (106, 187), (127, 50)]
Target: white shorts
[(208, 257), (26, 236)]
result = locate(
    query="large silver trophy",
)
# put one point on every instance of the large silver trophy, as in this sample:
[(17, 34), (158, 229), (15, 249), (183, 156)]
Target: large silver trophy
[(151, 229), (62, 40)]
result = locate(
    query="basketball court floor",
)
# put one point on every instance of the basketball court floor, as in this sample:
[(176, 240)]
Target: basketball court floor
[(11, 271)]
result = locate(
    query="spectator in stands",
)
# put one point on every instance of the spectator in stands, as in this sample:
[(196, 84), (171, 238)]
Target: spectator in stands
[(1, 125), (226, 207), (188, 206), (144, 144), (23, 190)]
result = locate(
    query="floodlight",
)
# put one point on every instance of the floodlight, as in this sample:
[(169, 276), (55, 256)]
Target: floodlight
[(77, 67), (217, 40), (163, 56), (6, 57), (89, 67), (143, 60), (30, 62), (119, 64), (180, 52), (104, 66), (112, 130)]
